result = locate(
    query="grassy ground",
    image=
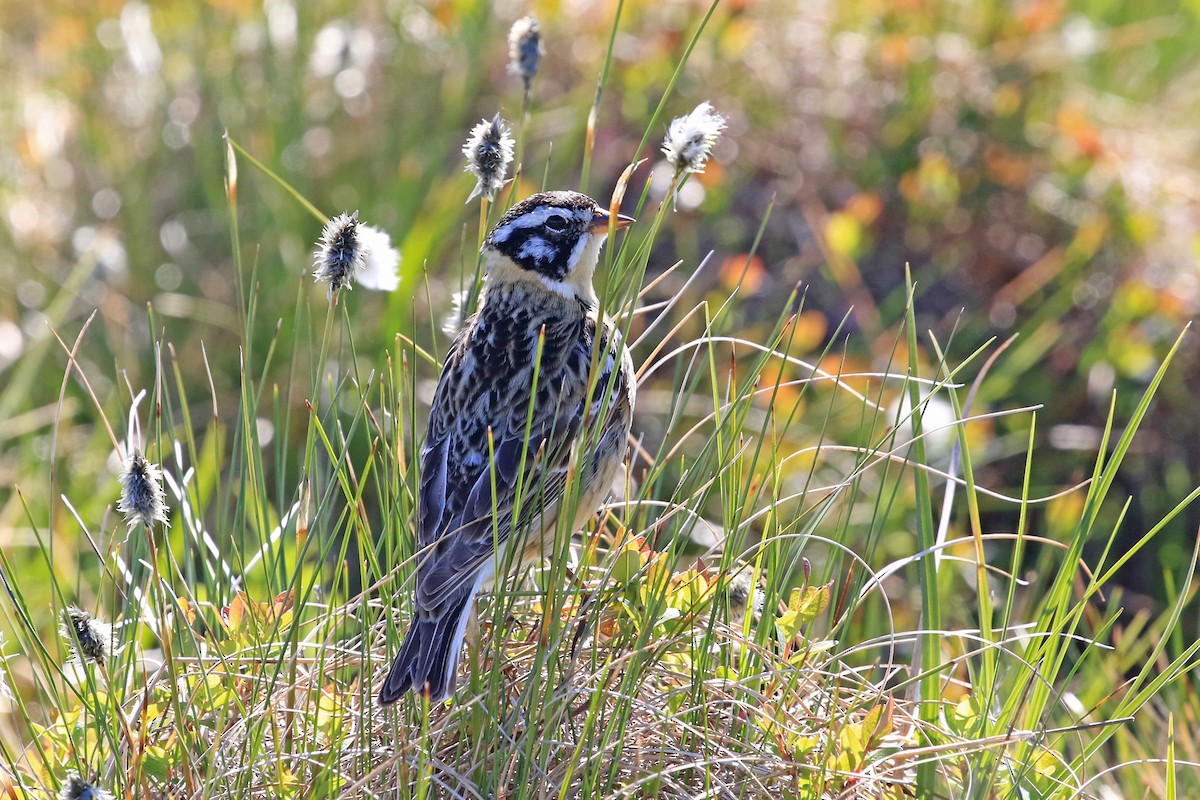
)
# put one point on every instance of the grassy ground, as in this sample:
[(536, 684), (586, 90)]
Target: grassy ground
[(847, 560)]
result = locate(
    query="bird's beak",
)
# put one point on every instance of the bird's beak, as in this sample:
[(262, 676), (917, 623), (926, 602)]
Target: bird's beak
[(601, 222)]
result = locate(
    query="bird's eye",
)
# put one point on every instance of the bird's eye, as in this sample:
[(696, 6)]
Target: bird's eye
[(556, 222)]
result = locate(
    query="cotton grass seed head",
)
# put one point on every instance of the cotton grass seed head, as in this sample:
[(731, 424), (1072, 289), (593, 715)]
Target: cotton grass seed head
[(76, 788), (525, 49), (691, 138), (142, 498), (339, 256), (380, 260), (489, 151), (90, 638)]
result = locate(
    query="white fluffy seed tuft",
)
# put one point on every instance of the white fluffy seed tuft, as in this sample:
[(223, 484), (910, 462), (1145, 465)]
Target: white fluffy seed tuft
[(381, 260), (89, 637), (691, 138), (142, 499), (339, 256), (489, 151), (525, 49)]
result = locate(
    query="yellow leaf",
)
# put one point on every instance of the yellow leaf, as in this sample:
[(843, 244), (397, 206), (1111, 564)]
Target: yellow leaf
[(854, 742), (235, 614), (688, 590), (804, 605), (188, 609)]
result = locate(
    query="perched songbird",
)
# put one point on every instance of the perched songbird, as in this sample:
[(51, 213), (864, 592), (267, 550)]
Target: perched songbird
[(492, 431)]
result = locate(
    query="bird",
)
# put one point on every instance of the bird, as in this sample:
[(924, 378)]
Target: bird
[(511, 408)]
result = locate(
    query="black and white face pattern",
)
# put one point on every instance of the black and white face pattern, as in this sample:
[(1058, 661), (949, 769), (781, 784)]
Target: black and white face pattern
[(546, 232)]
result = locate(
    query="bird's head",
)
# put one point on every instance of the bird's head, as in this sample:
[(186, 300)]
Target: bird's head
[(553, 238)]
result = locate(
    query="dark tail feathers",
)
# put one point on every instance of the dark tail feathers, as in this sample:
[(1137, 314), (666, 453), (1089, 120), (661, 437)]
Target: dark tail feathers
[(428, 659)]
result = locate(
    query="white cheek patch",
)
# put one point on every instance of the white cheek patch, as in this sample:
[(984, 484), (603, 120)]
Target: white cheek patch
[(537, 248), (576, 252), (584, 257), (591, 242)]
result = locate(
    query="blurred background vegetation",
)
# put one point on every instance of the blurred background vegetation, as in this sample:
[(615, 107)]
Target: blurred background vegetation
[(1037, 164)]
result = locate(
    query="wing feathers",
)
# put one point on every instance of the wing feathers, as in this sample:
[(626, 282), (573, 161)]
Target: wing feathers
[(467, 499), (433, 490)]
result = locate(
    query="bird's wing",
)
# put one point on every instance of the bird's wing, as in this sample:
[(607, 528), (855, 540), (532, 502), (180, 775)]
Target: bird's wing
[(463, 478)]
